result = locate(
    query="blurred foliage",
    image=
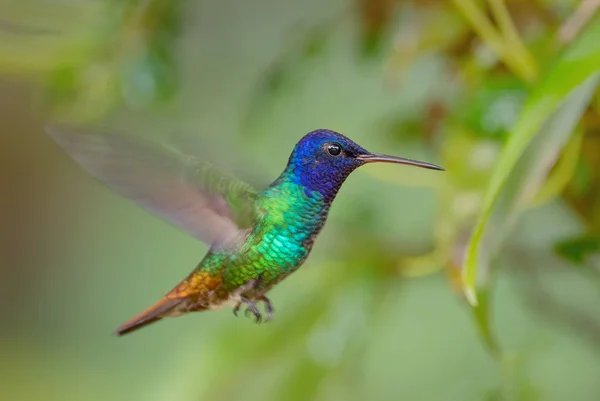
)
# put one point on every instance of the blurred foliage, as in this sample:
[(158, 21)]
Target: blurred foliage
[(94, 56), (518, 127)]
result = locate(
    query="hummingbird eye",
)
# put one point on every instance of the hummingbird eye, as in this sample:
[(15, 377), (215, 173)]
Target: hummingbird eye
[(334, 149)]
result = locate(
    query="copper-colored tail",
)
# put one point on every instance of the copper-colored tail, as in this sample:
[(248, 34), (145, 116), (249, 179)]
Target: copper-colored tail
[(156, 312)]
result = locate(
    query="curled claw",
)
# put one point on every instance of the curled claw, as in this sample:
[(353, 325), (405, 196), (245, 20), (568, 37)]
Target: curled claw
[(236, 309), (268, 307), (251, 307), (255, 313)]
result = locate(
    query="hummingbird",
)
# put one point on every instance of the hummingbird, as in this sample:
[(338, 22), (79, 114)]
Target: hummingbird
[(256, 236)]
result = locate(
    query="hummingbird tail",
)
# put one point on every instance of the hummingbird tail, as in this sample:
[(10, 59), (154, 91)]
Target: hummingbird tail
[(163, 308)]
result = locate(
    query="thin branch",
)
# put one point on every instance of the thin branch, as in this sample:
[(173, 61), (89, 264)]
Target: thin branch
[(575, 23), (516, 59), (511, 34)]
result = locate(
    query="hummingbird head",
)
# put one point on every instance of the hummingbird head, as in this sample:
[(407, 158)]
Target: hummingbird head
[(322, 160)]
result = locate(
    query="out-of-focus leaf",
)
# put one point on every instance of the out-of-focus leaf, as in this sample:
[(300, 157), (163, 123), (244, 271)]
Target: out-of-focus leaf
[(151, 74), (548, 118), (94, 57), (506, 43), (421, 265), (577, 249), (562, 173), (583, 191), (494, 107), (469, 160), (432, 27), (81, 94), (526, 177)]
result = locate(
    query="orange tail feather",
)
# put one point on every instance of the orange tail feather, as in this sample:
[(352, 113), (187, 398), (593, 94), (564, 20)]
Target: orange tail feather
[(163, 308)]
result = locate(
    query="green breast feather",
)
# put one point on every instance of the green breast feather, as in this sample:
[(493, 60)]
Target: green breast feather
[(282, 237)]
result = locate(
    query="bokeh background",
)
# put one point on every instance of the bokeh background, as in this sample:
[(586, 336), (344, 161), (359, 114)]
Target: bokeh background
[(501, 92)]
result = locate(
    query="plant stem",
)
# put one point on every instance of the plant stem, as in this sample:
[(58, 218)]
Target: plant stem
[(573, 25), (521, 65), (512, 38)]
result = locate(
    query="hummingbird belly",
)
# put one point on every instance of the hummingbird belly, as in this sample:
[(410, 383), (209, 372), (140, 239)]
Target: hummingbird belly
[(281, 239), (265, 262)]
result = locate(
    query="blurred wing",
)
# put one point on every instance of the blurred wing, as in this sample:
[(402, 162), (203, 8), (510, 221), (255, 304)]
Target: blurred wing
[(186, 191), (226, 151)]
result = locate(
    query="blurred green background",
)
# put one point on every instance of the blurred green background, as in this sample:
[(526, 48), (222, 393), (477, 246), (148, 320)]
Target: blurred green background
[(396, 300)]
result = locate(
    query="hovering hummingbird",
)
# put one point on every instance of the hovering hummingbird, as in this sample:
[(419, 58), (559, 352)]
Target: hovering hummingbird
[(256, 237)]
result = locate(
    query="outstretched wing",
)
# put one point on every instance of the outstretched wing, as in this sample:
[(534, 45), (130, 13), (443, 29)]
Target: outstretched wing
[(185, 191)]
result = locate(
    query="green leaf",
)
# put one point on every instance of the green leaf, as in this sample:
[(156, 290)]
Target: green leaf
[(522, 184), (577, 249), (563, 173), (544, 127)]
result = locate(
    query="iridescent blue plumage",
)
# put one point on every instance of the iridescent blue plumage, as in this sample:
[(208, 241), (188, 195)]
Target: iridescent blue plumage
[(257, 238), (311, 166)]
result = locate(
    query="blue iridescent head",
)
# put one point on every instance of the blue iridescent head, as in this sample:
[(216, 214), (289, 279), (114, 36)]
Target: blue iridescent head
[(322, 160)]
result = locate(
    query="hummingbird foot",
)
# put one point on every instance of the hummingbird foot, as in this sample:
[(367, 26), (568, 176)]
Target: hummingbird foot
[(249, 285), (268, 307), (250, 308), (251, 305)]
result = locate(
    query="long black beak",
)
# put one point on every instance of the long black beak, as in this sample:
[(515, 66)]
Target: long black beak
[(376, 157)]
